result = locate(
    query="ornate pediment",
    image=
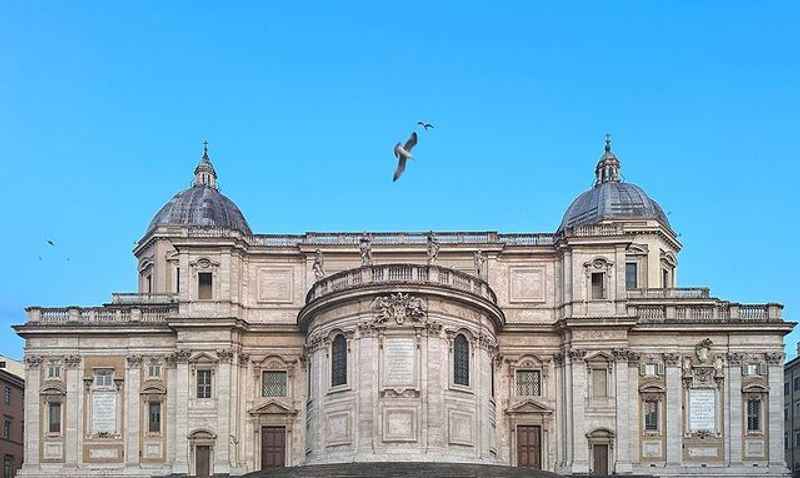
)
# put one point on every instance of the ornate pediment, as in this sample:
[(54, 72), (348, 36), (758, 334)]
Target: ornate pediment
[(153, 387), (529, 406), (271, 407)]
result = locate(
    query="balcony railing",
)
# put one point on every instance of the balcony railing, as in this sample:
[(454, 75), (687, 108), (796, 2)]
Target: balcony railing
[(100, 315), (135, 298), (401, 274), (684, 293), (714, 311)]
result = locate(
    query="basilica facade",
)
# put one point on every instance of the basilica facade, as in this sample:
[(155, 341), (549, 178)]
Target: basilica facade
[(573, 351)]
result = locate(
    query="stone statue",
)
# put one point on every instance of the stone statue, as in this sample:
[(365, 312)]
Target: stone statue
[(319, 265), (480, 260), (365, 247), (433, 248)]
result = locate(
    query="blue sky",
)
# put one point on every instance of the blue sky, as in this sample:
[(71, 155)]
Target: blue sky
[(103, 109)]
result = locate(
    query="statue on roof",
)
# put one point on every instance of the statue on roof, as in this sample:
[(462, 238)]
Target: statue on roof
[(433, 248), (365, 248), (319, 265)]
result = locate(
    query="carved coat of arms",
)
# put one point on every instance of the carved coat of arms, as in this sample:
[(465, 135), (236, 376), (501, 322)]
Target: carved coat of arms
[(398, 307)]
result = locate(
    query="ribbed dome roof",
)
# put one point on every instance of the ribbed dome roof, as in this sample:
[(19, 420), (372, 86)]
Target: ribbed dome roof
[(202, 204), (610, 198)]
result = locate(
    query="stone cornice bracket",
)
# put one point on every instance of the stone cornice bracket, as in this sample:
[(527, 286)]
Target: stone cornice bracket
[(183, 356), (774, 358), (33, 361), (224, 355), (72, 361), (134, 360), (672, 359)]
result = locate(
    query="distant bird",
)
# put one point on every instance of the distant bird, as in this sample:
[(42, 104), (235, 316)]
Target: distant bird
[(403, 153), (40, 258), (425, 125), (51, 242)]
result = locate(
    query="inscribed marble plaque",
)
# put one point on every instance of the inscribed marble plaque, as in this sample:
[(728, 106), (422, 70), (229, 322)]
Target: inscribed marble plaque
[(651, 449), (398, 362), (104, 412), (702, 410)]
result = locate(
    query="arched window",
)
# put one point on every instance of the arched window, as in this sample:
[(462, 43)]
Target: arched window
[(461, 361), (339, 361)]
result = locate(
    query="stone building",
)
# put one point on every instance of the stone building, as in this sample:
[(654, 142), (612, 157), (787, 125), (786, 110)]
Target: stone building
[(572, 351), (791, 413), (12, 388)]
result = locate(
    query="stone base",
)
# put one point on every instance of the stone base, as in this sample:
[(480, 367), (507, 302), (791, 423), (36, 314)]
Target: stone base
[(402, 470)]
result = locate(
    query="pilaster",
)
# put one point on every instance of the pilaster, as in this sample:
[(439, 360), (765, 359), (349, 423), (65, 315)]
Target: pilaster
[(580, 448), (674, 409), (735, 414), (623, 439), (33, 428), (181, 412), (222, 462), (72, 410), (131, 431), (775, 411)]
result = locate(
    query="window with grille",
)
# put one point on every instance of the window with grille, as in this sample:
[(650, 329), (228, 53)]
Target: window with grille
[(154, 417), (7, 395), (797, 384), (54, 417), (631, 275), (529, 383), (104, 378), (651, 415), (204, 281), (7, 428), (273, 384), (753, 415), (154, 371), (339, 361), (598, 289), (599, 383), (461, 361), (8, 466), (204, 384), (53, 371)]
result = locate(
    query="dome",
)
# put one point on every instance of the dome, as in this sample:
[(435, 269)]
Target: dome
[(202, 204), (610, 198)]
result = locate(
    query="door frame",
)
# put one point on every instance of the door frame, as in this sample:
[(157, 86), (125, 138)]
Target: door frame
[(201, 438), (602, 436), (541, 444)]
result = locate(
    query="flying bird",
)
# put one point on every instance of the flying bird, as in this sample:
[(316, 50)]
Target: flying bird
[(425, 125), (403, 153), (51, 242)]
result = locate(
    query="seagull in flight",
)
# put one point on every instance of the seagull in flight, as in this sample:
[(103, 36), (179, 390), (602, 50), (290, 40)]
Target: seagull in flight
[(403, 153), (425, 125), (51, 242)]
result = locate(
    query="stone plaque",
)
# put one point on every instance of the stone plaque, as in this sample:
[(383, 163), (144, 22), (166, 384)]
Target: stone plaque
[(398, 362), (754, 448), (702, 452), (103, 453), (651, 449), (104, 412), (702, 410), (527, 284), (275, 285)]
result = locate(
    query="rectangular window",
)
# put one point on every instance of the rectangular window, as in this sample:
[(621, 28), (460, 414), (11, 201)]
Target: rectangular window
[(54, 417), (274, 384), (54, 371), (7, 428), (204, 384), (786, 388), (631, 275), (178, 280), (8, 466), (650, 370), (599, 383), (154, 371), (797, 384), (204, 285), (154, 417), (529, 383), (7, 395), (651, 415), (149, 284), (104, 378), (665, 283), (754, 415), (598, 288), (796, 439), (308, 380)]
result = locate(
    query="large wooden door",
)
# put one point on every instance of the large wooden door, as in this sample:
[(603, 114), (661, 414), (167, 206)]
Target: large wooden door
[(202, 456), (529, 446), (273, 447), (600, 459)]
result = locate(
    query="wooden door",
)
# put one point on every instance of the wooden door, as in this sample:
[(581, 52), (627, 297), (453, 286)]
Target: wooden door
[(273, 447), (202, 456), (600, 459), (529, 446)]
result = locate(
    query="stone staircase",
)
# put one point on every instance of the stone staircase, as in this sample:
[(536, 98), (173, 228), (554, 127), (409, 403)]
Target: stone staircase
[(401, 470)]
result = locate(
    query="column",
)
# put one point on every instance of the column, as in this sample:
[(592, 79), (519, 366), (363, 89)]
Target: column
[(72, 410), (222, 462), (33, 429), (580, 447), (774, 416), (131, 430), (623, 438), (181, 412), (674, 409)]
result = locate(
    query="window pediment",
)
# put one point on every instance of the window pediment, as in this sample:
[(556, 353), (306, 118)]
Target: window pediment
[(153, 387), (53, 387), (528, 407), (272, 407), (203, 358), (755, 386)]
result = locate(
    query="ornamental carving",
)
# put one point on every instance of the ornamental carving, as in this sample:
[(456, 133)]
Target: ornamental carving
[(182, 356), (774, 358), (558, 359), (72, 361), (634, 358), (134, 360), (399, 393), (736, 359), (576, 354), (33, 361), (672, 359), (398, 307), (224, 355), (244, 359), (620, 354), (702, 351)]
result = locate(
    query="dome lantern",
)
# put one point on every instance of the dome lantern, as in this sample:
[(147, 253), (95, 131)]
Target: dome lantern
[(204, 173), (608, 167)]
